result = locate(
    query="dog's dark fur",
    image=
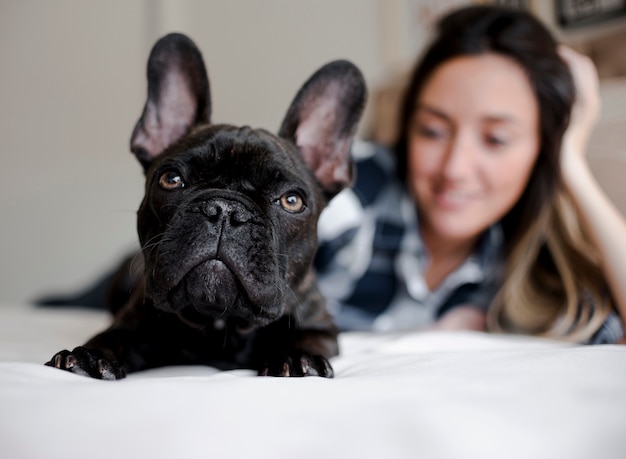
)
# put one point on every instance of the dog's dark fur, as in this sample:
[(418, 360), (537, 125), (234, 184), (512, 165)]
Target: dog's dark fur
[(228, 228)]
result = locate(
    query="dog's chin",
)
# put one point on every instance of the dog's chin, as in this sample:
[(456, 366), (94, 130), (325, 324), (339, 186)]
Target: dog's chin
[(195, 319), (212, 291)]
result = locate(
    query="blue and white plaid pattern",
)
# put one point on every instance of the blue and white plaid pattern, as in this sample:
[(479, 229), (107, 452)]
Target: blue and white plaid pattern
[(612, 331), (371, 259)]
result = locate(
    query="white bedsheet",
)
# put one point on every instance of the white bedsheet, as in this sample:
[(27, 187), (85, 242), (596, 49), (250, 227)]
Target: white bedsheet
[(405, 395)]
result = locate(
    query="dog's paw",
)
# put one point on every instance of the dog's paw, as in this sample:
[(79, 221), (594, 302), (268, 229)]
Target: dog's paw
[(297, 364), (87, 362)]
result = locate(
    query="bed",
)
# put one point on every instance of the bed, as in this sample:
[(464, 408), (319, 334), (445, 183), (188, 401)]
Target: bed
[(398, 395)]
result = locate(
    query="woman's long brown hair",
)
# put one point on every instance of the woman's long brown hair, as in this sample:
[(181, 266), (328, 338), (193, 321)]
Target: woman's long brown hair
[(552, 283)]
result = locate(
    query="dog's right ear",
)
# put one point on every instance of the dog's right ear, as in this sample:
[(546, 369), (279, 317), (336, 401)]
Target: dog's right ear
[(178, 97)]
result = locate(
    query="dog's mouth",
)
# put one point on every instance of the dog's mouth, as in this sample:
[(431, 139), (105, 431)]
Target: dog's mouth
[(212, 290), (210, 286)]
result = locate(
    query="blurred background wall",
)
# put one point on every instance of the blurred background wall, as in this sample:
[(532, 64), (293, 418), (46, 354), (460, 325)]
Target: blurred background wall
[(72, 84)]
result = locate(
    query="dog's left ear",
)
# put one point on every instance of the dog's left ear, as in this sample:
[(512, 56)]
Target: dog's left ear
[(322, 121), (178, 97)]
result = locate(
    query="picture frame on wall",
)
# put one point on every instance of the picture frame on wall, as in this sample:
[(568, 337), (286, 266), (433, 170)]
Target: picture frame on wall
[(580, 13), (520, 4)]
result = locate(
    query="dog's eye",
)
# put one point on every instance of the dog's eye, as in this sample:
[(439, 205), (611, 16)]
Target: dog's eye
[(292, 202), (171, 180)]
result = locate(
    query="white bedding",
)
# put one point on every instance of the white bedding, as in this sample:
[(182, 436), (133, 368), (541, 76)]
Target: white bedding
[(408, 395)]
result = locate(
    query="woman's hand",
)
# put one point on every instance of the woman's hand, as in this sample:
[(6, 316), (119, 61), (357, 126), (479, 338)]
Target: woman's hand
[(586, 110), (462, 318)]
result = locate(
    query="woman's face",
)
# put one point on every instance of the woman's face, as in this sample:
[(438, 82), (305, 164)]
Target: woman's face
[(473, 141)]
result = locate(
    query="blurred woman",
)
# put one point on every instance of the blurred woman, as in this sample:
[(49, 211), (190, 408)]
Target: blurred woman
[(485, 215)]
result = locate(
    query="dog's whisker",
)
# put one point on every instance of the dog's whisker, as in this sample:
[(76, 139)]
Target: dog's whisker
[(135, 259)]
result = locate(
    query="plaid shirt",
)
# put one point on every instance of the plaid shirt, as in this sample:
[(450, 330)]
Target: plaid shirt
[(371, 259)]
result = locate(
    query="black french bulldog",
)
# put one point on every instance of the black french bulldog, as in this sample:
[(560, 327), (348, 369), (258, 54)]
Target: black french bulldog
[(228, 228)]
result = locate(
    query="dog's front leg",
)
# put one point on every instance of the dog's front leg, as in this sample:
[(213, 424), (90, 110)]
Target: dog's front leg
[(285, 349), (130, 344), (105, 356)]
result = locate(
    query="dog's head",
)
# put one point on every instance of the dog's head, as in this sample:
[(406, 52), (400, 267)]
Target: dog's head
[(228, 222)]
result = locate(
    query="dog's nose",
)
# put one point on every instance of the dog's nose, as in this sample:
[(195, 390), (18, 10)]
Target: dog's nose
[(223, 211)]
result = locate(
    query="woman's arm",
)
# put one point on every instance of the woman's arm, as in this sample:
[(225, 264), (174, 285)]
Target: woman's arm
[(603, 221)]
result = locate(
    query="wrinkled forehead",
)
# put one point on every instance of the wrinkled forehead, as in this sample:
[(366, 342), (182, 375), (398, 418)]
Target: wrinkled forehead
[(232, 151)]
